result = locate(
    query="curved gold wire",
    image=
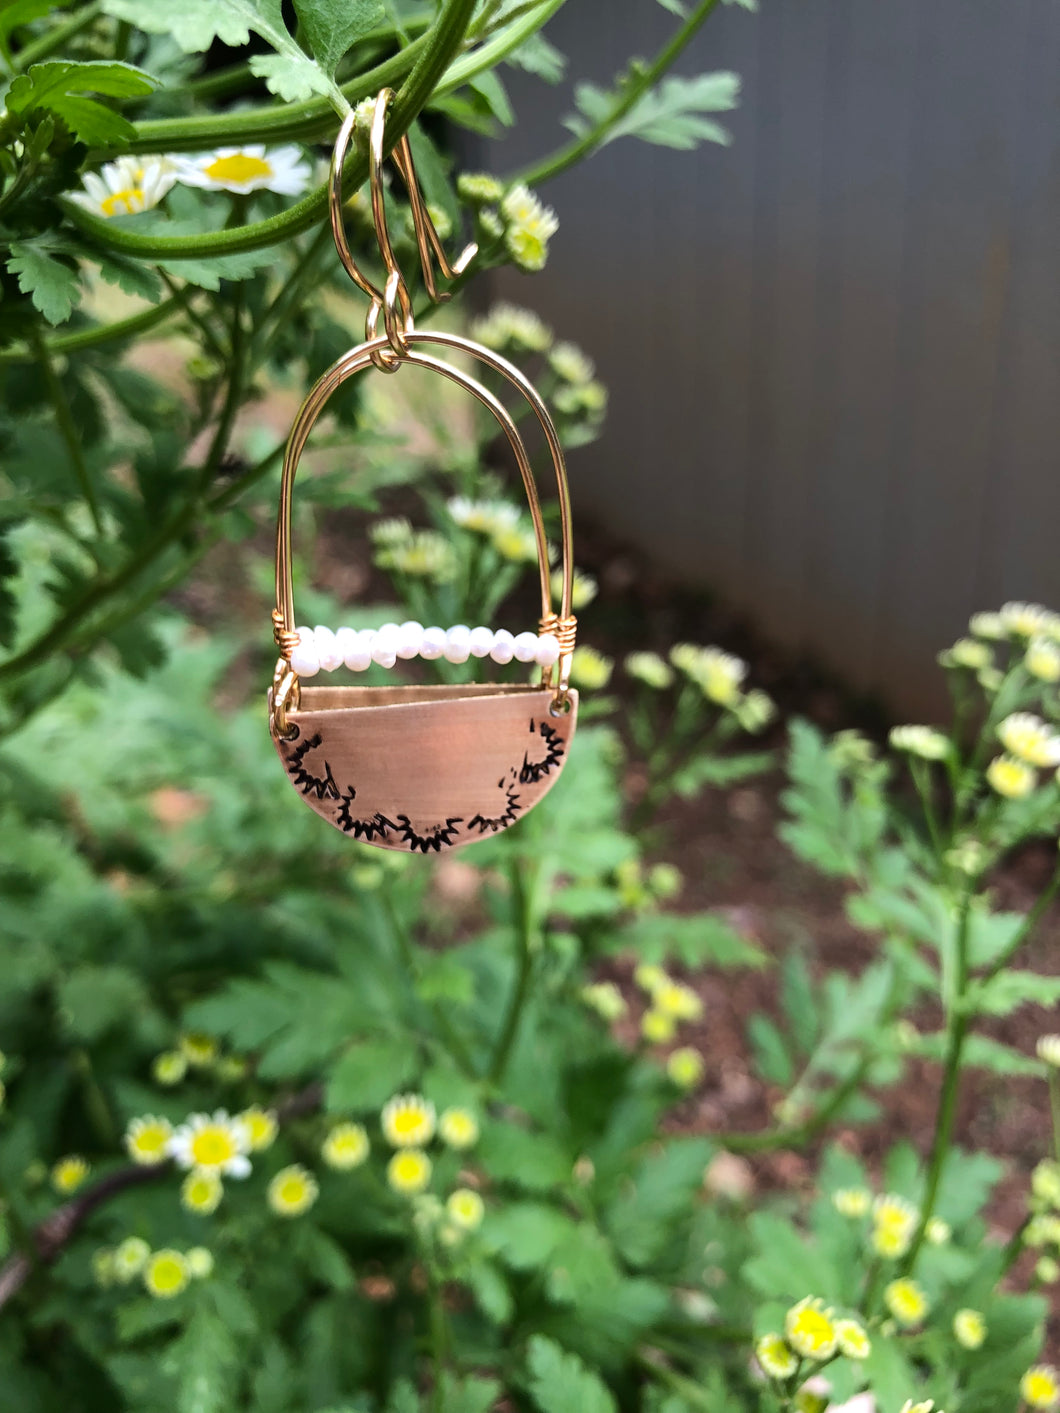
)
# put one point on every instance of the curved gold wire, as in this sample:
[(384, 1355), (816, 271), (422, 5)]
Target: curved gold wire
[(393, 301), (388, 351), (563, 623)]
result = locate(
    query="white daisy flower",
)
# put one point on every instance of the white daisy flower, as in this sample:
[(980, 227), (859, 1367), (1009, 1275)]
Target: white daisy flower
[(126, 187), (242, 170), (214, 1143)]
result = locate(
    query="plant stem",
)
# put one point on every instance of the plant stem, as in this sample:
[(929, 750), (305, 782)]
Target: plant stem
[(67, 430), (438, 47), (957, 1022), (769, 1139), (57, 37), (102, 333), (1030, 922), (525, 938), (233, 393), (509, 37), (1054, 1109), (439, 1340), (629, 96)]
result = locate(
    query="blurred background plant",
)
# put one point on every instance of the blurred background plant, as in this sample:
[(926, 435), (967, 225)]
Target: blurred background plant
[(289, 1123)]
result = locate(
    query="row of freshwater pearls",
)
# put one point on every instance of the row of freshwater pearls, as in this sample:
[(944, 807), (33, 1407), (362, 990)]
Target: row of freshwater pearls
[(321, 648)]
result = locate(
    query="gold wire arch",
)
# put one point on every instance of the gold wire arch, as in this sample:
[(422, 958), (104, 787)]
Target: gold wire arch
[(387, 352)]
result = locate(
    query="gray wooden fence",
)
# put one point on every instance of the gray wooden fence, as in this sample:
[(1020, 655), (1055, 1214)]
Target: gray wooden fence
[(832, 348)]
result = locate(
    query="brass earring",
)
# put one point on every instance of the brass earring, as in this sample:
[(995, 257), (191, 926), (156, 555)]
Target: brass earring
[(420, 768)]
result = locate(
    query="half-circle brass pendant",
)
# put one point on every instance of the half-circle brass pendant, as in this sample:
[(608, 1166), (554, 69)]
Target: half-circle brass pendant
[(422, 768), (425, 768)]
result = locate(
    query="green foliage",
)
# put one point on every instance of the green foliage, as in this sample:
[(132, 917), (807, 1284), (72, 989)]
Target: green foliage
[(182, 943), (670, 115)]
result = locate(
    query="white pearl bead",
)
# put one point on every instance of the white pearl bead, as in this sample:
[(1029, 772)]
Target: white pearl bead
[(385, 645), (503, 648), (327, 647), (304, 658), (433, 645), (547, 654), (356, 650), (480, 642), (410, 639), (458, 643), (525, 647)]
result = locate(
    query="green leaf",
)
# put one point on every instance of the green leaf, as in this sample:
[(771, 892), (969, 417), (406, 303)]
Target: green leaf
[(95, 999), (981, 1052), (540, 57), (131, 276), (1002, 994), (195, 24), (560, 1383), (50, 282), (22, 12), (208, 273), (772, 1056), (205, 1363), (647, 1213), (293, 77), (534, 1161), (9, 568), (332, 27), (368, 1073), (719, 771), (490, 1289), (697, 939), (525, 1234), (669, 115), (58, 86), (470, 1395), (442, 978)]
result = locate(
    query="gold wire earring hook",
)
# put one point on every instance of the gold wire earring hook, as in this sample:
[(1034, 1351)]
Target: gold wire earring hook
[(393, 301)]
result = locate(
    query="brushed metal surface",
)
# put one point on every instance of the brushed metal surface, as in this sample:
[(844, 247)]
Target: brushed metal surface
[(423, 769)]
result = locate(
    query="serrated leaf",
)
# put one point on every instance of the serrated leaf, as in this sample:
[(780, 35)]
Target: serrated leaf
[(208, 273), (669, 115), (195, 24), (647, 1212), (470, 1395), (491, 1292), (719, 771), (696, 939), (981, 1052), (292, 77), (131, 276), (772, 1056), (58, 86), (332, 27), (534, 1161), (560, 1383), (96, 999), (204, 1360), (368, 1073), (538, 56), (50, 283), (1002, 994), (525, 1234)]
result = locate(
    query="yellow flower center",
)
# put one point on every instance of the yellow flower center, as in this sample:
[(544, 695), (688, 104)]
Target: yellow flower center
[(408, 1123), (1039, 1388), (813, 1328), (238, 168), (212, 1146), (151, 1140), (291, 1192), (123, 203)]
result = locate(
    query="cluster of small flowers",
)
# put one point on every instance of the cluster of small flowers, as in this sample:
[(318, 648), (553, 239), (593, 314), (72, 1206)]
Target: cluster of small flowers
[(894, 1220), (1043, 1227), (164, 1273), (517, 216), (1030, 746), (1027, 626), (508, 532), (811, 1332), (409, 1124), (135, 184), (642, 890), (418, 554), (718, 675), (196, 1051)]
